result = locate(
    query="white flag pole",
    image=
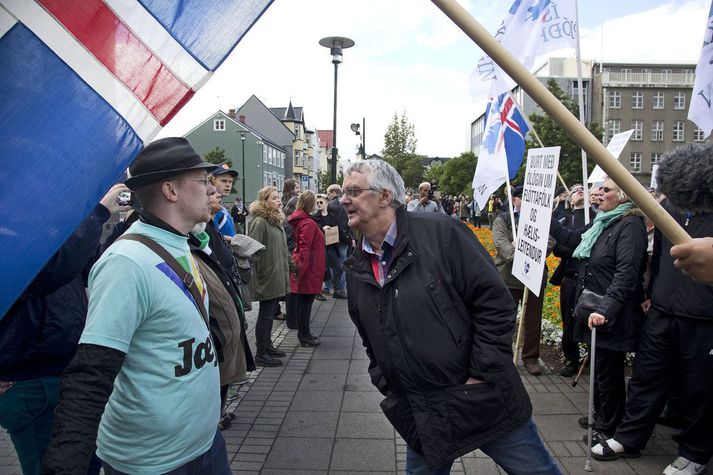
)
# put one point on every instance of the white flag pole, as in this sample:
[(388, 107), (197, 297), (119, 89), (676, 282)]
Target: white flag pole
[(580, 93)]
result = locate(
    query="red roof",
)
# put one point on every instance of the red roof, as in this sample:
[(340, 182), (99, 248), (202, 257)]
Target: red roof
[(326, 138)]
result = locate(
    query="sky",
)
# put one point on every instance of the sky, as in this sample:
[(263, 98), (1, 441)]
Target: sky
[(410, 57)]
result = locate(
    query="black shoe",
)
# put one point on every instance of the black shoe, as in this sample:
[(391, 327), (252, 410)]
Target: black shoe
[(320, 297), (292, 326), (597, 437), (310, 341), (272, 351), (584, 421), (569, 369), (340, 294), (267, 360)]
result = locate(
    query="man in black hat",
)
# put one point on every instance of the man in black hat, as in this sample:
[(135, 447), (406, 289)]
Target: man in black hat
[(223, 177), (144, 382)]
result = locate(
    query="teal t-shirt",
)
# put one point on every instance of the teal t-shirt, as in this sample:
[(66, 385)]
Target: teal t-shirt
[(165, 406)]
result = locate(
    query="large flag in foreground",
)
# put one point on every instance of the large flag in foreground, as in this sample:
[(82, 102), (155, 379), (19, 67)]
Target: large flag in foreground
[(531, 28), (85, 84), (503, 147), (701, 110)]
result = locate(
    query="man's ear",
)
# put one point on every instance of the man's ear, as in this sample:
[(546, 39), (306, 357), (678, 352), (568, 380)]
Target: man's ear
[(169, 191), (385, 198)]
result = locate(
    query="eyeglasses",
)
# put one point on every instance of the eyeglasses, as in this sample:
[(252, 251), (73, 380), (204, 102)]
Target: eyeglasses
[(354, 192), (205, 181), (606, 189), (320, 202), (577, 190)]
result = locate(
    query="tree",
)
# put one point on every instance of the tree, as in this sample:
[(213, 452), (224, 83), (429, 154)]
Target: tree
[(457, 175), (324, 179), (217, 155), (400, 150), (552, 134)]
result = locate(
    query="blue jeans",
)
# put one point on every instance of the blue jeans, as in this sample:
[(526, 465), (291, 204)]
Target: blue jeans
[(519, 452), (336, 255), (213, 462)]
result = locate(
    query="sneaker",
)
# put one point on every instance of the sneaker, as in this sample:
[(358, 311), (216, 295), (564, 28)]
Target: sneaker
[(320, 297), (340, 294), (245, 379), (272, 351), (683, 466), (609, 449), (569, 369), (597, 438), (267, 360)]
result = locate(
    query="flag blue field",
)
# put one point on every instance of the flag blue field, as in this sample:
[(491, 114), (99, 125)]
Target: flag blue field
[(503, 148), (85, 85)]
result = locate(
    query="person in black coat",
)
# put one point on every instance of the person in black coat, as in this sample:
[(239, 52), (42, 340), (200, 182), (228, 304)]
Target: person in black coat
[(612, 253), (566, 277), (437, 322), (39, 335)]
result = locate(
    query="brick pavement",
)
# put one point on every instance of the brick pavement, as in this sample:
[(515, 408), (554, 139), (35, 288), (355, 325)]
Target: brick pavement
[(319, 414)]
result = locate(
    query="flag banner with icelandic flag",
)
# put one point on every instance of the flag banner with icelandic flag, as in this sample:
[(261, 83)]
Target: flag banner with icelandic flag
[(531, 28), (503, 147), (701, 109), (85, 85)]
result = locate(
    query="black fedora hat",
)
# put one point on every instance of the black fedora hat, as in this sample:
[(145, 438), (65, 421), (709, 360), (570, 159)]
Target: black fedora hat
[(164, 158)]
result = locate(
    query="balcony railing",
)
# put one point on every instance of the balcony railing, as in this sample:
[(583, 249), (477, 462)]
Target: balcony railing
[(648, 79)]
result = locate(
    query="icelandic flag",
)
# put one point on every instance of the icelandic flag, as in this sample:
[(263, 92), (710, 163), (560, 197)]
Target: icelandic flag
[(701, 109), (503, 147), (531, 28), (85, 84)]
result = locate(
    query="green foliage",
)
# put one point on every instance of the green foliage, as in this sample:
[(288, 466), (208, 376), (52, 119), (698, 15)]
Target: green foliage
[(324, 179), (400, 150), (552, 134), (456, 175), (217, 155)]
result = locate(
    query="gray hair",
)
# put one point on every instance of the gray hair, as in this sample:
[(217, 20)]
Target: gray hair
[(382, 176)]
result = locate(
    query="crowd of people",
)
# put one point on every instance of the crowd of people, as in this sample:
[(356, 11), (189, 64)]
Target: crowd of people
[(113, 381)]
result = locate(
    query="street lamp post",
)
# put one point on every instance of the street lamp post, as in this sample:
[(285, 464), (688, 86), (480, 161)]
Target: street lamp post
[(243, 136), (361, 135), (335, 44)]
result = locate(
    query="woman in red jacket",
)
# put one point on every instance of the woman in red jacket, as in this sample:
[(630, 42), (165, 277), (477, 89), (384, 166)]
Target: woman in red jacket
[(309, 259)]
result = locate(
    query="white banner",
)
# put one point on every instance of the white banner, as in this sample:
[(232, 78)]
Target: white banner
[(701, 110), (535, 214), (616, 145)]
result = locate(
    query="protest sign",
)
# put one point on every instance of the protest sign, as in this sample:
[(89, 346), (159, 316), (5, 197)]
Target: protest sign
[(616, 145), (535, 213)]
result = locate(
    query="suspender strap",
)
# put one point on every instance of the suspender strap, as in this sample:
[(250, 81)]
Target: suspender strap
[(186, 277)]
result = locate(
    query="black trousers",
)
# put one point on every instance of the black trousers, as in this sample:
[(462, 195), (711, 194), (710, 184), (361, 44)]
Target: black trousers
[(568, 294), (304, 312), (672, 349), (263, 326), (609, 389)]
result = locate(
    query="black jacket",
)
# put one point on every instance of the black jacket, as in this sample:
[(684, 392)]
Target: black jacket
[(337, 213), (672, 292), (40, 332), (615, 270), (568, 265), (443, 315)]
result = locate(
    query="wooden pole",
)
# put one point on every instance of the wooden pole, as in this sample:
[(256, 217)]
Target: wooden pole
[(549, 103), (521, 326)]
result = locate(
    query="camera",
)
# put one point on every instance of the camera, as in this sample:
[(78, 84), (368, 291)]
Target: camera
[(434, 188), (124, 198)]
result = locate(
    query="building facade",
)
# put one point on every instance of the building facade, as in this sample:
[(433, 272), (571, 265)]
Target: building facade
[(259, 161), (652, 100)]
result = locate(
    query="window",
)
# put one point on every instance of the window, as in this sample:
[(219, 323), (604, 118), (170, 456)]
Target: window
[(635, 162), (637, 100), (645, 71), (658, 100), (219, 125), (665, 71), (614, 127), (282, 159), (638, 126), (655, 158), (625, 71), (698, 134), (679, 100), (615, 99), (678, 130), (265, 151), (657, 131)]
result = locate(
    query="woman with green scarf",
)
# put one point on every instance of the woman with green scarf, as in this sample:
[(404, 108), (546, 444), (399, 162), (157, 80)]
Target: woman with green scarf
[(612, 254)]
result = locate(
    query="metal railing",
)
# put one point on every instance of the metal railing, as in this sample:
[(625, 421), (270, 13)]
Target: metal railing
[(648, 79)]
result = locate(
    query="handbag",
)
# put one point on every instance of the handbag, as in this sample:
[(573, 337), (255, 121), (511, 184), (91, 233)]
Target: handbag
[(587, 303)]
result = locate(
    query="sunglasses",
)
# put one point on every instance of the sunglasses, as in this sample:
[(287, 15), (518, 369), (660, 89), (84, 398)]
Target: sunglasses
[(577, 190), (606, 189)]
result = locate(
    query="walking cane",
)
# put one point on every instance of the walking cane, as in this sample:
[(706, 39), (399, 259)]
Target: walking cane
[(590, 419), (581, 370)]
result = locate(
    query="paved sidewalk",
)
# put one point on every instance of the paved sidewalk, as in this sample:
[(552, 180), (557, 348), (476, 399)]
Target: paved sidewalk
[(319, 414)]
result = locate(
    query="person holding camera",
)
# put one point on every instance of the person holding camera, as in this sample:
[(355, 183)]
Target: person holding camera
[(425, 202)]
